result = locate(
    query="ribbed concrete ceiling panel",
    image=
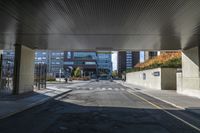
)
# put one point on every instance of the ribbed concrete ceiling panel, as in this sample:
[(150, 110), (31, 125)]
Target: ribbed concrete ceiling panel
[(100, 24)]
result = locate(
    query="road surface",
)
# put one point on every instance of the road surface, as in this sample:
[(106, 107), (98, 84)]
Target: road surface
[(102, 107)]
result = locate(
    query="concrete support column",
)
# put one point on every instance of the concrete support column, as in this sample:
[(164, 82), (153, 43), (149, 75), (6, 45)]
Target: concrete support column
[(188, 82), (23, 78), (146, 55)]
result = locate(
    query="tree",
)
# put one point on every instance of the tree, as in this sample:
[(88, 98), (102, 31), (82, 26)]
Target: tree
[(114, 74), (72, 73), (77, 72)]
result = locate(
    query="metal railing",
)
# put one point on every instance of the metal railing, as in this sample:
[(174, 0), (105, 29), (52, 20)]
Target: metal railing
[(40, 75)]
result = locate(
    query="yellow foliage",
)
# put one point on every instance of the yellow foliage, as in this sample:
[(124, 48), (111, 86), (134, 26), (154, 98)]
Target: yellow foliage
[(161, 59)]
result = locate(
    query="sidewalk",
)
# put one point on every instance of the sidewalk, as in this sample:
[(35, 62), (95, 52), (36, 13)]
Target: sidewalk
[(169, 96), (22, 102), (14, 104)]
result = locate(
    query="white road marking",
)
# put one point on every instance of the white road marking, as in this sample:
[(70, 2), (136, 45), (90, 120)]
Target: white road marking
[(158, 107), (109, 89), (122, 89), (103, 89), (116, 89)]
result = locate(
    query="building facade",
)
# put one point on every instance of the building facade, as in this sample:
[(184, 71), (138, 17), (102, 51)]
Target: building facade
[(53, 59), (59, 62), (7, 63), (92, 63), (127, 60), (150, 54), (85, 60), (104, 63)]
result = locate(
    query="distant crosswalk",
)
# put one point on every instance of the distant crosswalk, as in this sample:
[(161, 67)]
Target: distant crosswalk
[(100, 89)]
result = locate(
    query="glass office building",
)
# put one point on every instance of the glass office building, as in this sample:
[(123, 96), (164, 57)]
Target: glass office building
[(104, 63), (90, 62), (86, 60), (127, 60), (53, 59), (8, 63)]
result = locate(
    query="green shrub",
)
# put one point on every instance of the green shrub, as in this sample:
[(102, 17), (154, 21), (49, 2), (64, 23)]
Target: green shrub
[(77, 72)]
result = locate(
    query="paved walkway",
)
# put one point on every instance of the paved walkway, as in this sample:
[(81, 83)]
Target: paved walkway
[(16, 104), (169, 96)]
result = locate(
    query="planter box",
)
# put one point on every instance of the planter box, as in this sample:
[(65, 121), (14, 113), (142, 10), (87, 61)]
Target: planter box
[(158, 78)]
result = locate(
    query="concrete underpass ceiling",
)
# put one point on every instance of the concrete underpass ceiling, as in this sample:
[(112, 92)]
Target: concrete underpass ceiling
[(100, 24)]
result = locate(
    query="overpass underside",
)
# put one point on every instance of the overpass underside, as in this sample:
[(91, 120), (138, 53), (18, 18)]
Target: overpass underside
[(27, 25)]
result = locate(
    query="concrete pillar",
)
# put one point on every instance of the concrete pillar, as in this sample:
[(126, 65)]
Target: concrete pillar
[(23, 78), (146, 55), (188, 82)]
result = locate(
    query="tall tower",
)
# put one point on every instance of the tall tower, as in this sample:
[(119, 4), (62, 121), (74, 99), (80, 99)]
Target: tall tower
[(149, 54), (127, 60)]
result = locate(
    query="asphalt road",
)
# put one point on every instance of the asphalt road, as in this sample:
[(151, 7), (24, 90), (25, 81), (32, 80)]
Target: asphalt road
[(102, 107)]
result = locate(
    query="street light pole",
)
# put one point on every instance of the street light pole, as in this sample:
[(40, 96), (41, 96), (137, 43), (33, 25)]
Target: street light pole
[(60, 75)]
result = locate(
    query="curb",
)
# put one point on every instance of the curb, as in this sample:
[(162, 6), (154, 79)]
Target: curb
[(170, 103), (42, 101)]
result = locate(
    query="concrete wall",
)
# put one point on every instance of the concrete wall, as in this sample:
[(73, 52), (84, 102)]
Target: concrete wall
[(26, 74), (159, 78), (188, 82), (168, 78)]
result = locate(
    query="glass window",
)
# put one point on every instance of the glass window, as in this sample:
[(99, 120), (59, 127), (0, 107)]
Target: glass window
[(68, 55), (69, 63), (85, 55), (90, 63)]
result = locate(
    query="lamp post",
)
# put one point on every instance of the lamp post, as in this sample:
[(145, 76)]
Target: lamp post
[(60, 71)]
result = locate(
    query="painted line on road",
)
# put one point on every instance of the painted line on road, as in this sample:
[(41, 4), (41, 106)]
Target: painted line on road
[(109, 89), (158, 107), (122, 89), (116, 89), (103, 89), (179, 107)]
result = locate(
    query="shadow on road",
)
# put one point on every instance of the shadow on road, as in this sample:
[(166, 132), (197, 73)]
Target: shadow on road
[(63, 117)]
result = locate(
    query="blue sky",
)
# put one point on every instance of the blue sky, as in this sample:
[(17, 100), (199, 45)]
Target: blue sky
[(141, 56), (114, 60)]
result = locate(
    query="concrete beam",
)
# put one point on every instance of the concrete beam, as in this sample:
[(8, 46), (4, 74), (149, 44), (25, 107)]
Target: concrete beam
[(23, 79)]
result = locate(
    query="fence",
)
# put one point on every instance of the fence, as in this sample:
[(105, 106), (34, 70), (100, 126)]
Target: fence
[(40, 75)]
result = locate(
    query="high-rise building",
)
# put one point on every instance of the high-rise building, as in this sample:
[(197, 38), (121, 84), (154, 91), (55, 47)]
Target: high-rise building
[(127, 60), (149, 54), (7, 63), (53, 59), (104, 63), (121, 63), (56, 61)]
